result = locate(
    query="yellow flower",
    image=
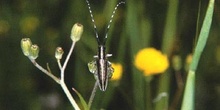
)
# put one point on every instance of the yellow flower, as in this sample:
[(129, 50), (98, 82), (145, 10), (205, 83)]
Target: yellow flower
[(117, 71), (151, 61)]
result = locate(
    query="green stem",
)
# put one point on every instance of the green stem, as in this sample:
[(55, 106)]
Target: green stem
[(167, 43), (132, 29), (188, 98), (148, 93)]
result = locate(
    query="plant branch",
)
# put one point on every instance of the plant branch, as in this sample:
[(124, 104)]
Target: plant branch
[(45, 71), (67, 59), (62, 83), (59, 64)]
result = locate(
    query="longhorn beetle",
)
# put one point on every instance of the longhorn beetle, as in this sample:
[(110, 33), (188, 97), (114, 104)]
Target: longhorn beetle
[(101, 67)]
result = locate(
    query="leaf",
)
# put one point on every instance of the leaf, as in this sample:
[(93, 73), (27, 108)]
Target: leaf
[(82, 100)]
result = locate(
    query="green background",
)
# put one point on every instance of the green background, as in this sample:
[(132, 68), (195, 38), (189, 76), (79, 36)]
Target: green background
[(136, 25)]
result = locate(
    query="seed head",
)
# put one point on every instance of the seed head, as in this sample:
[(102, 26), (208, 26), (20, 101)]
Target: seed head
[(26, 45), (76, 32), (59, 53), (34, 51)]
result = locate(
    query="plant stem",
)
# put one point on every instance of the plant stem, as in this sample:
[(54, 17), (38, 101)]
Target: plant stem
[(189, 92), (69, 96), (132, 29), (148, 93), (93, 94), (45, 71), (59, 64), (167, 45), (67, 59), (178, 94), (62, 83)]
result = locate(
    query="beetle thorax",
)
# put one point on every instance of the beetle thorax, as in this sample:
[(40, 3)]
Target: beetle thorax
[(101, 52)]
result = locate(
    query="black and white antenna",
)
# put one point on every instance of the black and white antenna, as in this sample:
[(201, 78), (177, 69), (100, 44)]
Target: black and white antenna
[(109, 24), (93, 21), (110, 21)]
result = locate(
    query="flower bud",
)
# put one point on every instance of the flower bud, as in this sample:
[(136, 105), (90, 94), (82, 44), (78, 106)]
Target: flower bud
[(177, 62), (26, 45), (34, 51), (188, 61), (59, 53), (76, 32)]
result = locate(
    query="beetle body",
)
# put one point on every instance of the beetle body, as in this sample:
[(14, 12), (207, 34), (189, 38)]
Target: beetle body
[(101, 67)]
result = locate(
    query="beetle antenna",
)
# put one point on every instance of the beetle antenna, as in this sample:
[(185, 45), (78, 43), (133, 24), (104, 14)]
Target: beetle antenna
[(110, 21), (93, 21)]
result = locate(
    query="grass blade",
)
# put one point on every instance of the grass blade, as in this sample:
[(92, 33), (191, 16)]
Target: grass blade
[(188, 98), (203, 36)]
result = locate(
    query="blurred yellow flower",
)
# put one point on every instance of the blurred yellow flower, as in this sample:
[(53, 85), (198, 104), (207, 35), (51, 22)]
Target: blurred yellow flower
[(189, 58), (117, 71), (4, 27), (29, 24), (151, 61), (188, 61)]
